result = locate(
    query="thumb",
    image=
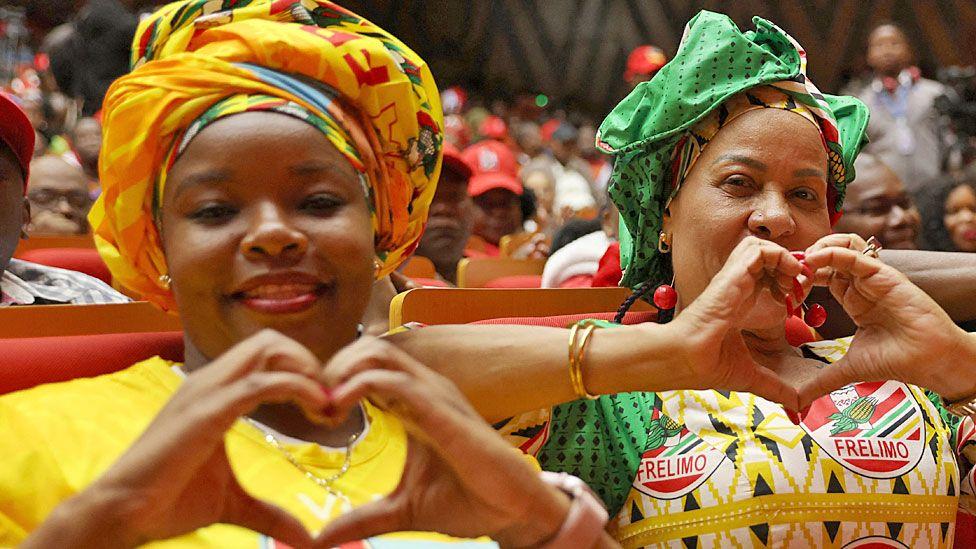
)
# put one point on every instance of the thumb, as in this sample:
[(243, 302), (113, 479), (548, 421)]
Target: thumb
[(829, 379), (373, 519)]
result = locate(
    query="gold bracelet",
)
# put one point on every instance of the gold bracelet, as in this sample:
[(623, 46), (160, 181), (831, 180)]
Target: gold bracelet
[(576, 354)]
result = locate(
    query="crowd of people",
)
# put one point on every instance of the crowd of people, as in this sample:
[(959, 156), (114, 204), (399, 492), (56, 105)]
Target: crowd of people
[(265, 169)]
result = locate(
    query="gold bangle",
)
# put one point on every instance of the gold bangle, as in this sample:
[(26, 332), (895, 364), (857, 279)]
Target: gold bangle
[(576, 354)]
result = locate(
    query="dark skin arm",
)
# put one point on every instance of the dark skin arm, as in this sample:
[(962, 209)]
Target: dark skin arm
[(947, 277)]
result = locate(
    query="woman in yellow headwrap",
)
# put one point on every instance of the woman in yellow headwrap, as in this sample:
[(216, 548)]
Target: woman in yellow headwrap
[(262, 165)]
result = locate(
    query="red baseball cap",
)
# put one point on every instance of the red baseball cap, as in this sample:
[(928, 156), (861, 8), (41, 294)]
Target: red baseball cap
[(454, 160), (494, 167), (644, 60), (17, 133)]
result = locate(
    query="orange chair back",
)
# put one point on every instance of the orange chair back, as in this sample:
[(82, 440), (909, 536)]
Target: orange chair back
[(42, 241), (76, 320), (476, 272), (462, 306)]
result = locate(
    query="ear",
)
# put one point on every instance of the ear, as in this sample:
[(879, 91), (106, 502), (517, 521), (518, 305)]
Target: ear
[(26, 218), (666, 218)]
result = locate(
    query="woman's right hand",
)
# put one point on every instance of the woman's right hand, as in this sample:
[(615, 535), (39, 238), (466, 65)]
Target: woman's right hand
[(176, 477), (710, 351)]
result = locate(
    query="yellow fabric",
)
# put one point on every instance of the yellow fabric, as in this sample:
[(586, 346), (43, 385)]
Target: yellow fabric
[(190, 55), (57, 439)]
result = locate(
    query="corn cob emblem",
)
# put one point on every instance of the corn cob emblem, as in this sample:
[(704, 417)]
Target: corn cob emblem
[(660, 431), (858, 413)]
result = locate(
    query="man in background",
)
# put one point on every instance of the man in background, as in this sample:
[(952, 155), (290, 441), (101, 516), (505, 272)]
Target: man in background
[(877, 204), (903, 130)]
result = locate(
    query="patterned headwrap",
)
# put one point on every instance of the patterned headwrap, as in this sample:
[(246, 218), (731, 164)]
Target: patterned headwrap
[(657, 132), (197, 61)]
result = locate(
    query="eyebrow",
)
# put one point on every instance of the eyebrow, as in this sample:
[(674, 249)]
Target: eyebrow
[(810, 172), (203, 177), (315, 167), (738, 158)]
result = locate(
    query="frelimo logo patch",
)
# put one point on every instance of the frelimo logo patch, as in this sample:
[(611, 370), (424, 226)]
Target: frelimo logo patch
[(675, 462), (874, 429)]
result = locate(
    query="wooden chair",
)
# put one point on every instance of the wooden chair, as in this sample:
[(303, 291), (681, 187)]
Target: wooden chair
[(476, 272), (41, 241), (419, 267), (462, 306), (76, 320)]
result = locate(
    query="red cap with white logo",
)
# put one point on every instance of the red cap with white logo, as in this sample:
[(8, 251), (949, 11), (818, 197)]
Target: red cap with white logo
[(494, 167)]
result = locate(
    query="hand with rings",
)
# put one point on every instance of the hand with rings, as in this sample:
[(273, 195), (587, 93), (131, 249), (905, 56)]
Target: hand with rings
[(902, 334)]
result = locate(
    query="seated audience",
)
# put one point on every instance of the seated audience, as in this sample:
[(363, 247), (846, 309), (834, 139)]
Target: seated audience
[(58, 195), (22, 282), (449, 222), (878, 205), (495, 189)]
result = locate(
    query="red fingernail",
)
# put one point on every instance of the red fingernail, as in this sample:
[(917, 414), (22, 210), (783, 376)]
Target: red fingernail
[(799, 255), (789, 306), (794, 417), (797, 291), (805, 270)]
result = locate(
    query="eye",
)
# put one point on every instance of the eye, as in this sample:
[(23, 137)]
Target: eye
[(319, 204), (213, 213), (738, 185), (805, 194)]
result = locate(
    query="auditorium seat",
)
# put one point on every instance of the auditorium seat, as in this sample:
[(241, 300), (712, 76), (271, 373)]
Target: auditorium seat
[(85, 260)]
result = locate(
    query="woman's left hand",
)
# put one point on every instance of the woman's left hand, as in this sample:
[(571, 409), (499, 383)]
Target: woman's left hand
[(902, 334), (455, 461)]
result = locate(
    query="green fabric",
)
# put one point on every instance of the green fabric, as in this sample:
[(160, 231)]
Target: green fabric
[(714, 62), (601, 441)]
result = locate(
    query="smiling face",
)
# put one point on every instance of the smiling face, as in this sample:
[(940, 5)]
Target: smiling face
[(265, 226), (960, 217), (764, 174)]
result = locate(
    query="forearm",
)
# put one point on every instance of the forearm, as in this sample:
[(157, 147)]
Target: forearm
[(949, 278), (85, 520), (506, 370)]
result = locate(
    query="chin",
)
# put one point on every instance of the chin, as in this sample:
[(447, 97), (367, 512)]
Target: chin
[(766, 314)]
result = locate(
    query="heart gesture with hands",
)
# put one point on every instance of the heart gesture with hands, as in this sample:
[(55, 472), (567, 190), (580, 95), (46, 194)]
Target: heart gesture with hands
[(902, 334), (710, 352)]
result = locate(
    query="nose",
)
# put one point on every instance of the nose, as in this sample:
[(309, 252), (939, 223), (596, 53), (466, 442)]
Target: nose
[(63, 207), (898, 216), (270, 236), (771, 217)]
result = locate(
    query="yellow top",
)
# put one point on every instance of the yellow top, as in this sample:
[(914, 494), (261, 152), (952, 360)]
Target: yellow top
[(57, 439)]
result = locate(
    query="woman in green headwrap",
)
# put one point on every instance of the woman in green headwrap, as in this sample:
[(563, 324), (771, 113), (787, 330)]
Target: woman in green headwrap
[(726, 161)]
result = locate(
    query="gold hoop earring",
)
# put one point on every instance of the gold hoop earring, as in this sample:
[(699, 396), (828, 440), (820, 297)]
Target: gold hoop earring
[(165, 281), (664, 243)]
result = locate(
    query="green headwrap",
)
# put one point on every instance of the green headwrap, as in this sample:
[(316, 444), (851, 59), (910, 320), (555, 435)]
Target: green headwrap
[(715, 61)]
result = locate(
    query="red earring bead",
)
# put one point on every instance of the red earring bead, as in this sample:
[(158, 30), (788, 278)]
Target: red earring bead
[(816, 316), (665, 297)]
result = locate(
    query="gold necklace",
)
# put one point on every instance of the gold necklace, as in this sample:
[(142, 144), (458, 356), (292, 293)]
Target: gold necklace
[(327, 482)]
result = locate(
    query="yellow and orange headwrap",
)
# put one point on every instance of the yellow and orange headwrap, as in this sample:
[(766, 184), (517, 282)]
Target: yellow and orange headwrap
[(197, 60)]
